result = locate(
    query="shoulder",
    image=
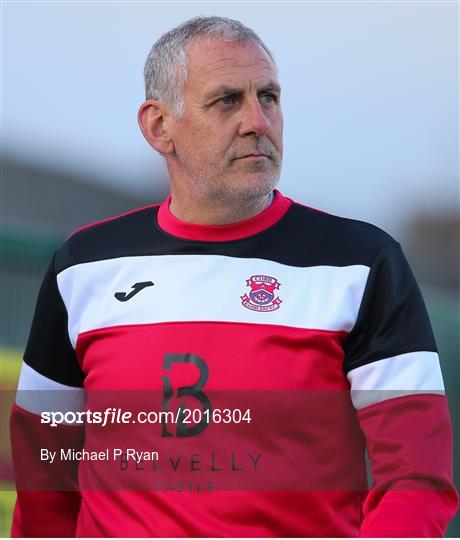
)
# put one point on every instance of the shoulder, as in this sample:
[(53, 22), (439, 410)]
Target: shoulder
[(117, 236), (334, 239)]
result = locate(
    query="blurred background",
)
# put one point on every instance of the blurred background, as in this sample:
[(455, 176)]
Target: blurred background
[(370, 99)]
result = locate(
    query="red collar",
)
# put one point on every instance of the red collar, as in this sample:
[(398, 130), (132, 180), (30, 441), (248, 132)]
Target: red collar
[(222, 233)]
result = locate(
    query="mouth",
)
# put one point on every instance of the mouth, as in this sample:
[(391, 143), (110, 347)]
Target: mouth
[(254, 156)]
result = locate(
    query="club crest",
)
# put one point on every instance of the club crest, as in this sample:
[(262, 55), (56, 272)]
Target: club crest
[(261, 296)]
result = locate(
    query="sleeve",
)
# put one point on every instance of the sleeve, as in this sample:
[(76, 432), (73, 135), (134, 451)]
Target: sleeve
[(392, 365), (48, 499)]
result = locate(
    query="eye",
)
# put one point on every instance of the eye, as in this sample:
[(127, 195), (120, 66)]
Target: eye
[(226, 100), (269, 98)]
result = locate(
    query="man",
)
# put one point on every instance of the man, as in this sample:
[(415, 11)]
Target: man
[(309, 329)]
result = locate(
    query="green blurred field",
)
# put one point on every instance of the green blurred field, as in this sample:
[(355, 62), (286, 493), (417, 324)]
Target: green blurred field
[(10, 364), (7, 498)]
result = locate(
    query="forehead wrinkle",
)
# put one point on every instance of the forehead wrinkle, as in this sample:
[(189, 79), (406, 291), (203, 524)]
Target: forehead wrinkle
[(232, 58), (226, 59), (205, 46), (229, 71)]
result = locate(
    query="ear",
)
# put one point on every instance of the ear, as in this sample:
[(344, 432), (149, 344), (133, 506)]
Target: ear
[(152, 119)]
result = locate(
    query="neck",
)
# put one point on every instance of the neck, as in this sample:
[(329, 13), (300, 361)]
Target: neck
[(211, 211)]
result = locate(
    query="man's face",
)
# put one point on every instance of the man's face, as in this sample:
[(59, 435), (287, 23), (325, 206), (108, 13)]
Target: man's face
[(229, 143)]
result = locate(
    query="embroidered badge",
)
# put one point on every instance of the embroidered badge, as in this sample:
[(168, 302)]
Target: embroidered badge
[(262, 294)]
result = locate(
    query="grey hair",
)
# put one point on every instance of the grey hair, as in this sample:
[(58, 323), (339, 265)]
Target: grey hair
[(166, 67)]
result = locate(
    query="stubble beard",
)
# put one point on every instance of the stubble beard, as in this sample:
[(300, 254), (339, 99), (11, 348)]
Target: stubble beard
[(222, 187)]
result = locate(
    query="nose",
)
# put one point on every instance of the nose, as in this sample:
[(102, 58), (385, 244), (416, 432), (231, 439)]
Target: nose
[(253, 119)]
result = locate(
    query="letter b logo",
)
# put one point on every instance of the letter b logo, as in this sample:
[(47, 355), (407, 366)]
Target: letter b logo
[(195, 391)]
